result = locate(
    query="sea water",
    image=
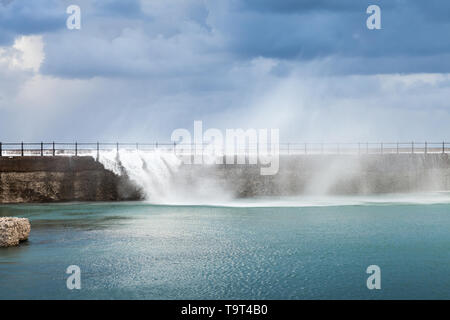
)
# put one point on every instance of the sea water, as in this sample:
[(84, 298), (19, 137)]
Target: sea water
[(262, 249)]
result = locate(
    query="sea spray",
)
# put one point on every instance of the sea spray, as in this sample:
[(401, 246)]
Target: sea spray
[(165, 179), (158, 175)]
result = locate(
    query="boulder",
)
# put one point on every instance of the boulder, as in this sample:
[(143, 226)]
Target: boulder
[(13, 230)]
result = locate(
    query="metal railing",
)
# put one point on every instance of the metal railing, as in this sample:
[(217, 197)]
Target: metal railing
[(367, 148), (287, 148)]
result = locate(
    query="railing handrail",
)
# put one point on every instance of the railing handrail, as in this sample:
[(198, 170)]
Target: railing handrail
[(171, 143), (360, 148)]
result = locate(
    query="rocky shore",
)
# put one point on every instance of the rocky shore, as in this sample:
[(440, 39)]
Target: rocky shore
[(13, 231)]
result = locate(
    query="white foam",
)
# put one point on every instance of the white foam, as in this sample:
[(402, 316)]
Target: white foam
[(322, 201), (158, 174)]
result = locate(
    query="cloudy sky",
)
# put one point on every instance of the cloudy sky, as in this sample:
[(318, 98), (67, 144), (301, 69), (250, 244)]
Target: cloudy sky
[(139, 69)]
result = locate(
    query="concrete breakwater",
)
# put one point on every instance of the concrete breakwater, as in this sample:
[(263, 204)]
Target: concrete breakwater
[(52, 179), (329, 175), (161, 177), (166, 179)]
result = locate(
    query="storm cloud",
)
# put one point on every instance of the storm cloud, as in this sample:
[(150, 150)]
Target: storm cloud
[(140, 69)]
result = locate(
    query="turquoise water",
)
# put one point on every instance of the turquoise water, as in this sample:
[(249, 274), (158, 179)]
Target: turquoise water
[(144, 251)]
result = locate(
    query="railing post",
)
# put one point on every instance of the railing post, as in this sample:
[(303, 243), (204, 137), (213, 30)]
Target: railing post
[(412, 147), (76, 148), (1, 150), (42, 149), (21, 149), (53, 148), (156, 145), (117, 147), (397, 149), (174, 147), (426, 147), (443, 147), (98, 151)]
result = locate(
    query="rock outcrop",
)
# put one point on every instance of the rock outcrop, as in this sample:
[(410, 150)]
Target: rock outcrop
[(58, 179), (13, 230)]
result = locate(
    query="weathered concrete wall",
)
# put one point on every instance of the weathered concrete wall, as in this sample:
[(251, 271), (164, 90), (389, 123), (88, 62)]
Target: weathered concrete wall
[(332, 175), (51, 179)]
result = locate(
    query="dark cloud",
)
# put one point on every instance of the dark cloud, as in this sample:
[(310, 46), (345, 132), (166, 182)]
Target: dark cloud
[(413, 32), (5, 2), (314, 29), (129, 8), (303, 6), (309, 67), (21, 17)]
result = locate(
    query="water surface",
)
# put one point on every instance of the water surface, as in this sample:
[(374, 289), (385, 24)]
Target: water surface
[(144, 251)]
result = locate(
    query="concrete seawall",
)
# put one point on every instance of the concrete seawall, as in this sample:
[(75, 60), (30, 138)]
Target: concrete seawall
[(54, 179), (332, 175)]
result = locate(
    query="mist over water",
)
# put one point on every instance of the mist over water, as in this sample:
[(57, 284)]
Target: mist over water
[(302, 180), (160, 176)]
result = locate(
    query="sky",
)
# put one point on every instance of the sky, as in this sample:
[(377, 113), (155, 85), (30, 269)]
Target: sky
[(139, 69)]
